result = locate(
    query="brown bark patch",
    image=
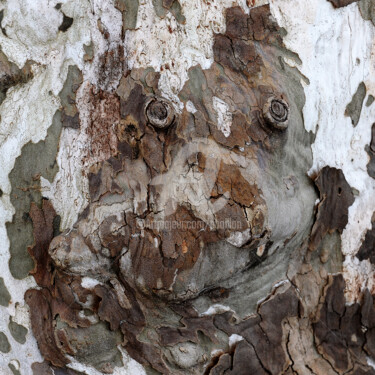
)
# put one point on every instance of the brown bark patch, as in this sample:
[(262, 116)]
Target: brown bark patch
[(263, 336), (336, 197), (367, 249), (341, 331), (43, 234), (103, 118), (342, 3), (41, 324)]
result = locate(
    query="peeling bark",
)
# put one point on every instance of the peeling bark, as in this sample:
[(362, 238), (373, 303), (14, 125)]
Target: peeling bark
[(167, 221)]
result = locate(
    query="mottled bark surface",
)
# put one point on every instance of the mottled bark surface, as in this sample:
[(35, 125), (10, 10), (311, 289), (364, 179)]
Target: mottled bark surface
[(178, 218)]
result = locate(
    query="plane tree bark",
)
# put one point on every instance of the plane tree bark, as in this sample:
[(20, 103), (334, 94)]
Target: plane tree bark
[(186, 187)]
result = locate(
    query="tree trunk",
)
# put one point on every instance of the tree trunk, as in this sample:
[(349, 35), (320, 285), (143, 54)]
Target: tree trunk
[(187, 187)]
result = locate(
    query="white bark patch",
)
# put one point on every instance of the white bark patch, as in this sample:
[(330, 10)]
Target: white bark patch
[(130, 367), (216, 309), (337, 52), (164, 43), (370, 362), (234, 339), (224, 115), (239, 239), (190, 107)]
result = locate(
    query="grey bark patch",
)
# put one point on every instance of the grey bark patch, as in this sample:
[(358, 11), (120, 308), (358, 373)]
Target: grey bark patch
[(177, 12), (371, 152), (341, 3), (44, 368), (354, 108), (4, 294), (370, 100), (64, 371), (95, 345), (89, 51), (70, 114), (1, 20), (18, 332), (129, 10), (367, 249), (4, 343), (13, 369), (264, 332), (367, 9), (41, 368), (35, 160), (160, 11), (330, 253), (66, 23), (162, 7)]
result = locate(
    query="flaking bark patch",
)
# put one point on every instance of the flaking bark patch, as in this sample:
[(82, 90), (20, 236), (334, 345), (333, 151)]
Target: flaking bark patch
[(56, 294), (42, 326), (44, 368), (367, 249), (129, 10), (35, 160), (370, 100), (70, 114), (4, 343), (354, 108), (367, 9), (11, 75), (18, 331), (342, 331), (371, 152), (335, 199), (4, 294)]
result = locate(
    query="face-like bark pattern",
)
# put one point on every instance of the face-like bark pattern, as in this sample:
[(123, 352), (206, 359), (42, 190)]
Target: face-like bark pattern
[(198, 202), (188, 172), (155, 236)]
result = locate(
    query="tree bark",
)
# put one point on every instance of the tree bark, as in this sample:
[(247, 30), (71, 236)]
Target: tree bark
[(187, 187)]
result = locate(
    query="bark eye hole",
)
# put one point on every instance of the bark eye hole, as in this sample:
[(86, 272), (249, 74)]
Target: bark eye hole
[(160, 113), (276, 113), (158, 109), (279, 110)]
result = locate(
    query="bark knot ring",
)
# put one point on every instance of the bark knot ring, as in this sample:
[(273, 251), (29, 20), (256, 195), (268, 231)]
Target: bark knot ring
[(160, 113), (276, 113)]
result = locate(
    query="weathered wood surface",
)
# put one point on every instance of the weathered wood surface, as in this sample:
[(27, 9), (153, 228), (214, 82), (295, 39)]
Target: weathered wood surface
[(187, 187)]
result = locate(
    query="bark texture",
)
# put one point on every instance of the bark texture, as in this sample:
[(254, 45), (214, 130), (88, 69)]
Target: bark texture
[(175, 198)]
